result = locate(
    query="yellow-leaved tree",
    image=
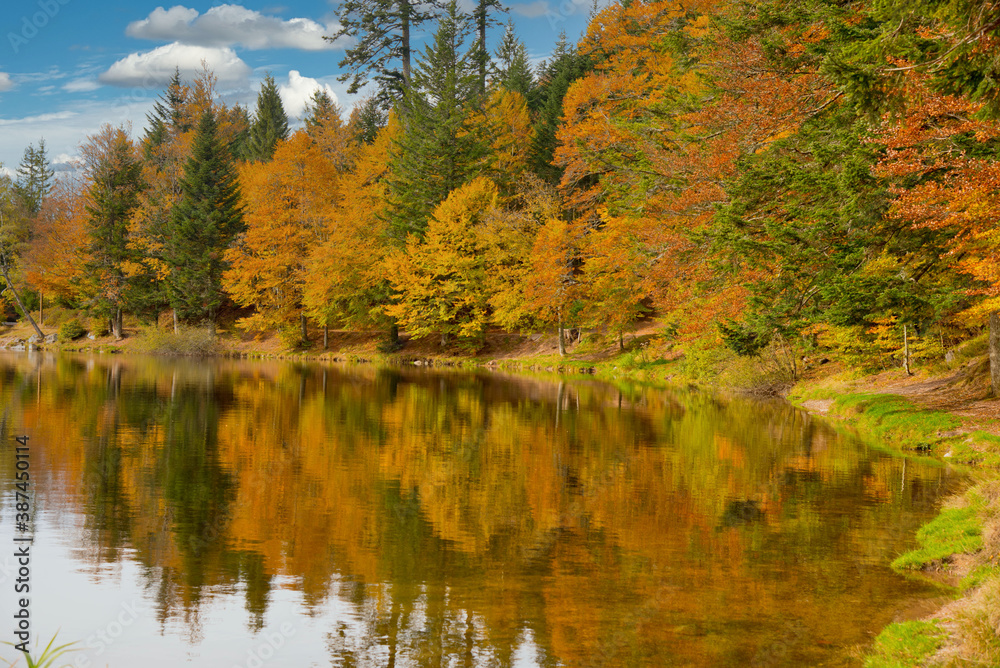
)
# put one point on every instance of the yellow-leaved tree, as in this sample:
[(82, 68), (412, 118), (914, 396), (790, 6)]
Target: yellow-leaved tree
[(441, 281)]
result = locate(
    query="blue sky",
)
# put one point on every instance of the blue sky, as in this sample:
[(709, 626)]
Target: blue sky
[(68, 66)]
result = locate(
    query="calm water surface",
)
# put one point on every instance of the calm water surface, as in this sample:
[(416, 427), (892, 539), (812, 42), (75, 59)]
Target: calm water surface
[(221, 513)]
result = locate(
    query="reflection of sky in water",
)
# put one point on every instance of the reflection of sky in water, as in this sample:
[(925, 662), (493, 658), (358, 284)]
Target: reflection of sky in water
[(107, 609), (478, 519)]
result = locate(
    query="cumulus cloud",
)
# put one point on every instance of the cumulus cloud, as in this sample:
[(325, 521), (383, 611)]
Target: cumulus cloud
[(5, 82), (155, 68), (532, 10), (81, 85), (297, 92), (232, 25)]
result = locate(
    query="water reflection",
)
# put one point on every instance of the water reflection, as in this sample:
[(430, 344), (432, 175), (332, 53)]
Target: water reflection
[(473, 519)]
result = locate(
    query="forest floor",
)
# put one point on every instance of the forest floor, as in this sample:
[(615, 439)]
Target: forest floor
[(944, 410)]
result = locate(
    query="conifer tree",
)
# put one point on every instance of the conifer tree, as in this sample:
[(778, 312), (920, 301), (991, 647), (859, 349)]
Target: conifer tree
[(202, 226), (114, 173), (512, 69), (382, 30), (480, 52), (439, 150), (270, 123), (167, 117), (34, 177), (555, 77)]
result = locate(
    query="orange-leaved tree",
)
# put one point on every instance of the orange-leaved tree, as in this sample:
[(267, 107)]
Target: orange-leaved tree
[(941, 155), (286, 203), (345, 280), (54, 259)]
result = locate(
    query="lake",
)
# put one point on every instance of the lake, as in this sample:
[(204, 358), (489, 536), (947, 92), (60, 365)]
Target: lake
[(232, 513)]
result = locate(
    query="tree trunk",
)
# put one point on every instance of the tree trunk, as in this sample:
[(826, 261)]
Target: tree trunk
[(562, 337), (41, 306), (305, 331), (326, 337), (995, 353), (481, 56), (177, 325), (906, 352), (621, 341), (444, 339), (116, 325), (17, 298), (404, 46), (394, 335)]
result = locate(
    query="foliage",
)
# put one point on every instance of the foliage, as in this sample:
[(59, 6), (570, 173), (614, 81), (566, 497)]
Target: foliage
[(439, 148), (71, 330), (441, 279), (202, 225), (270, 123), (114, 177), (34, 177), (381, 35), (285, 209), (188, 341)]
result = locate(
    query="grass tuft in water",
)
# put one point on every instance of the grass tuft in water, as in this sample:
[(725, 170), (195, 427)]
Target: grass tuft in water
[(49, 655), (905, 644)]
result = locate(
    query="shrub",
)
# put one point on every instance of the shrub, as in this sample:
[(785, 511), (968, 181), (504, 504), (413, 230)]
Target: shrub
[(71, 330), (189, 341)]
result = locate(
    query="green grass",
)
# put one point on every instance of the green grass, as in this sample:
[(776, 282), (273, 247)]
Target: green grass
[(895, 420), (49, 655), (954, 531), (905, 645)]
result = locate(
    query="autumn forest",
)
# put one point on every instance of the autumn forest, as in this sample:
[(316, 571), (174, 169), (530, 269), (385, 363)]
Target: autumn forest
[(760, 174)]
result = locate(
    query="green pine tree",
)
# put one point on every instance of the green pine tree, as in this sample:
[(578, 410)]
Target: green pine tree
[(114, 171), (167, 117), (512, 69), (438, 150), (319, 110), (270, 123), (34, 177), (382, 33), (202, 225), (555, 77)]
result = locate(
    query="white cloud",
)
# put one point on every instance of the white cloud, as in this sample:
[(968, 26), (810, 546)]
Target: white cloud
[(232, 25), (81, 85), (64, 162), (532, 10), (153, 69), (5, 82), (297, 92)]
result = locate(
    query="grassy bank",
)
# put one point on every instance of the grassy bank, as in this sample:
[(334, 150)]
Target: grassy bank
[(960, 547)]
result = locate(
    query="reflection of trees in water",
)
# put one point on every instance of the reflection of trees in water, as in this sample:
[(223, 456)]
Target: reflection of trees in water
[(460, 514)]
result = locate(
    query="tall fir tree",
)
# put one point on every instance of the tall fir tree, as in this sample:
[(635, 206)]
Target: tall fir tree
[(439, 150), (555, 77), (512, 69), (166, 120), (270, 123), (382, 32), (114, 173), (34, 177), (203, 225)]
